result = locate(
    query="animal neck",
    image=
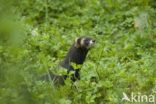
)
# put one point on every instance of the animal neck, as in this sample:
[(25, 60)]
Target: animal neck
[(75, 55)]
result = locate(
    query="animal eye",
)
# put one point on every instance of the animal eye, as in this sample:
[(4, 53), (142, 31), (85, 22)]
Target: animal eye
[(87, 42)]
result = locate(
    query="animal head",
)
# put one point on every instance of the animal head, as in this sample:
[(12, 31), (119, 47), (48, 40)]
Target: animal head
[(84, 42)]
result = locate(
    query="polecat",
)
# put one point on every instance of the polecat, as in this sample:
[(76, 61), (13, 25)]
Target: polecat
[(77, 55)]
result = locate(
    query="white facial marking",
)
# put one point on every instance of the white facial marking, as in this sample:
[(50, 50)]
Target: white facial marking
[(91, 42), (82, 41)]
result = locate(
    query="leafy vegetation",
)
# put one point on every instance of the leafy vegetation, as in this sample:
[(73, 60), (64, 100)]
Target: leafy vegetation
[(35, 36)]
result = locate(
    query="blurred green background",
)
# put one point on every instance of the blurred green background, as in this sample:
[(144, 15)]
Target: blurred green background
[(35, 35)]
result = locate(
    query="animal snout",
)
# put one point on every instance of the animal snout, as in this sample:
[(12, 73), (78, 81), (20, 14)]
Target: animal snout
[(93, 41)]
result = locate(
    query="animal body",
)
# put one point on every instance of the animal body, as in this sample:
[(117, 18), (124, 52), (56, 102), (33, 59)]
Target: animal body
[(77, 55)]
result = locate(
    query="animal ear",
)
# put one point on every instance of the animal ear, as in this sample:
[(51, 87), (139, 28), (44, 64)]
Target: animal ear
[(77, 42)]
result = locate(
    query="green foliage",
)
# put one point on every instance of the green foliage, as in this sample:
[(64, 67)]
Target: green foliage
[(35, 36)]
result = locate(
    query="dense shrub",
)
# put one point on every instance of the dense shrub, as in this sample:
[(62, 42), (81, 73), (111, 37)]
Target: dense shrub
[(35, 36)]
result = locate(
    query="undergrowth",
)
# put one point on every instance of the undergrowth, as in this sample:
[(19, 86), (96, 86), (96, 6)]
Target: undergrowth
[(35, 35)]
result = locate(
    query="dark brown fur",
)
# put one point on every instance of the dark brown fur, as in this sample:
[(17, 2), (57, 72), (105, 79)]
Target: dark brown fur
[(77, 55)]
